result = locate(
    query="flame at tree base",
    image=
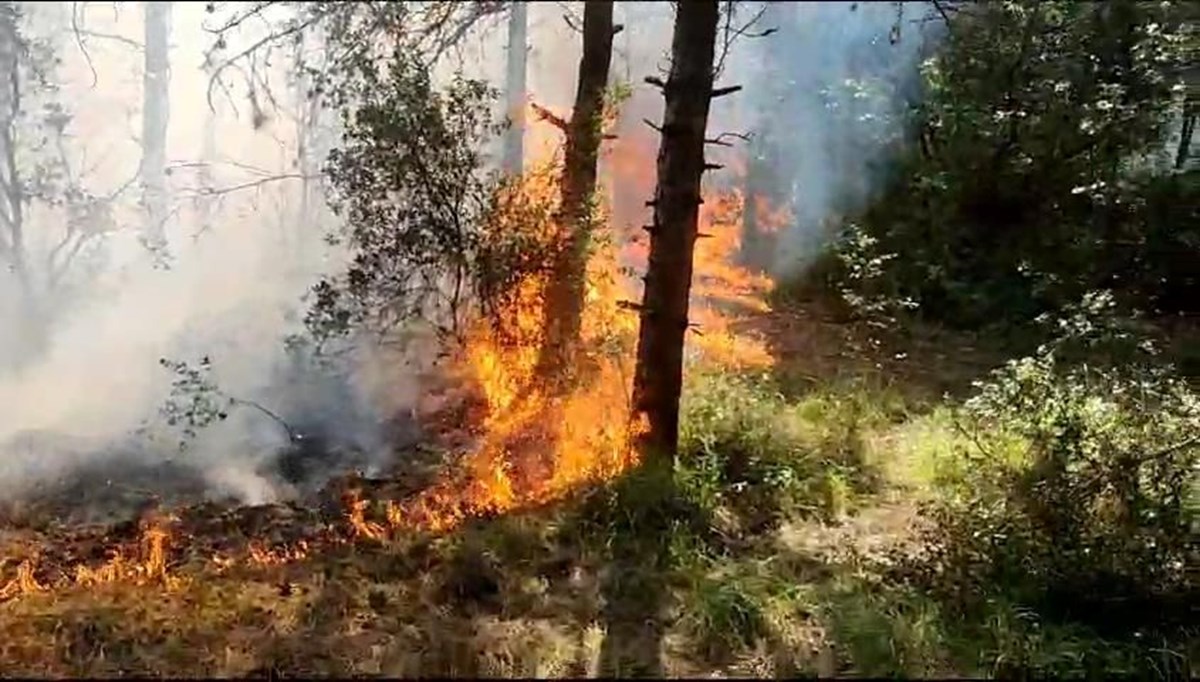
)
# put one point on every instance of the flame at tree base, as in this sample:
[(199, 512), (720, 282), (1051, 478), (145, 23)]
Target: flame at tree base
[(538, 445)]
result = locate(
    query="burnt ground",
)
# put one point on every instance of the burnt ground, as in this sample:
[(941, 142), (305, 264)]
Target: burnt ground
[(205, 587), (93, 514)]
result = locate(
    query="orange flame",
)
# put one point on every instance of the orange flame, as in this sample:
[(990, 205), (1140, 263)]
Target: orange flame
[(24, 582), (536, 448)]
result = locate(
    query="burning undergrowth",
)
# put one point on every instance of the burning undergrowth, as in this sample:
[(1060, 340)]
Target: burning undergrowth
[(537, 444), (506, 441)]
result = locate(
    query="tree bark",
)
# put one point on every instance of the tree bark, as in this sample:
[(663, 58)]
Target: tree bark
[(155, 117), (563, 310), (1183, 151), (515, 87), (751, 255), (658, 377)]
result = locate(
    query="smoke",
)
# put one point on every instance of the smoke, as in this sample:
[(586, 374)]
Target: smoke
[(827, 97), (87, 397), (825, 102)]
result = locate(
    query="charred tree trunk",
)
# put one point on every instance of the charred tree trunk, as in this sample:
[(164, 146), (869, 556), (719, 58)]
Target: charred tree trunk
[(514, 84), (563, 310), (688, 93), (155, 116)]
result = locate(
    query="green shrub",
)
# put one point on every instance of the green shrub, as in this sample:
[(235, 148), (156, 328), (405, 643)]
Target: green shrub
[(1035, 170), (723, 614), (745, 449), (1078, 500)]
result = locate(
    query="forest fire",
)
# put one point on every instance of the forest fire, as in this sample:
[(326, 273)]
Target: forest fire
[(536, 446)]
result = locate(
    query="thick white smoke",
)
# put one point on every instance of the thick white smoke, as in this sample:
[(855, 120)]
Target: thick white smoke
[(232, 292)]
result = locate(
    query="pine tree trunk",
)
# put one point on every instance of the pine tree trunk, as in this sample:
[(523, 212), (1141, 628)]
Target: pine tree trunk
[(514, 85), (751, 251), (155, 116), (564, 298), (658, 377)]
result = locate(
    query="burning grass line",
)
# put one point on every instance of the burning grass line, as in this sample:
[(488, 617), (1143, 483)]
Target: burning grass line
[(535, 447), (24, 583)]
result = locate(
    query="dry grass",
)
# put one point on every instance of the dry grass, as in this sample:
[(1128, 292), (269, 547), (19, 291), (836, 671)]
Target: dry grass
[(514, 596), (532, 594), (523, 595), (443, 607)]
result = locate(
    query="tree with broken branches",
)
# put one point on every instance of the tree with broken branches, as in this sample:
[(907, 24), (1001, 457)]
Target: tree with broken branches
[(688, 92)]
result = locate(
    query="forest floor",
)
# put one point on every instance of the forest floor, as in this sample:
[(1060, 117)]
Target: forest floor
[(572, 589)]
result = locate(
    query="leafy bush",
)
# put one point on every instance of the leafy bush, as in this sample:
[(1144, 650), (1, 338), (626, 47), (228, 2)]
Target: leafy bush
[(1079, 499), (195, 401), (435, 233), (1034, 179)]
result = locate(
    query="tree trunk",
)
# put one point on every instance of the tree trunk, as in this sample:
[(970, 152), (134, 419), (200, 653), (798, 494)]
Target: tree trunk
[(564, 297), (752, 248), (12, 240), (1183, 151), (514, 84), (27, 331), (658, 377), (155, 116)]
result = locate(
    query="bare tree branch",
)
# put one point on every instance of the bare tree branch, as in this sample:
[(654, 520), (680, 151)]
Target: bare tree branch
[(720, 140), (211, 192), (731, 34), (550, 117), (267, 40), (111, 36)]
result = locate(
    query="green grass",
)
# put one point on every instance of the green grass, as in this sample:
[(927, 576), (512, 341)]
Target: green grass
[(767, 550)]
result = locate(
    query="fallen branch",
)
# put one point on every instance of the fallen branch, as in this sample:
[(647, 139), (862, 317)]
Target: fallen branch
[(292, 434)]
